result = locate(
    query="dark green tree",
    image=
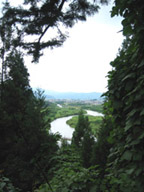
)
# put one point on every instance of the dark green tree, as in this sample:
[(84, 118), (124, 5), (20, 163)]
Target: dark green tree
[(25, 142), (81, 126), (87, 145), (10, 37), (83, 139)]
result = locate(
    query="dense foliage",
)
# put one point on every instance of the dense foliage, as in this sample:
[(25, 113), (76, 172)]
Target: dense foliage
[(6, 185), (25, 145), (125, 103), (70, 175)]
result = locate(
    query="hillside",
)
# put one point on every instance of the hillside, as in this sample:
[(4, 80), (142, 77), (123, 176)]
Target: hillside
[(72, 95)]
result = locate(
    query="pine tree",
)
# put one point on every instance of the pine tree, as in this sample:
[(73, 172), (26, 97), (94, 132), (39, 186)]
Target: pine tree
[(83, 139), (26, 145), (79, 130), (42, 16)]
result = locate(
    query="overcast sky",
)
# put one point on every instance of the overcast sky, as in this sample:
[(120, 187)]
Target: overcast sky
[(82, 63)]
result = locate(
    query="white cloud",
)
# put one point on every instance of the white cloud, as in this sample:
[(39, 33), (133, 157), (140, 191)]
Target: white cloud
[(82, 63)]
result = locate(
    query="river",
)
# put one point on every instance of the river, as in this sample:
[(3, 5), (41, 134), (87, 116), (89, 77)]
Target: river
[(59, 105), (93, 113), (60, 126)]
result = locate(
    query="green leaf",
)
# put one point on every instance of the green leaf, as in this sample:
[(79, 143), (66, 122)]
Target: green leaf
[(2, 185), (129, 85), (142, 112), (127, 30), (117, 104), (135, 142), (130, 171), (132, 112), (127, 156), (138, 171), (137, 122), (141, 64), (93, 188), (141, 136), (137, 157), (131, 75), (128, 125)]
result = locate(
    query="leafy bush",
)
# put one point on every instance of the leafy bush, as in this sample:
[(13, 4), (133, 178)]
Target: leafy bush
[(7, 186)]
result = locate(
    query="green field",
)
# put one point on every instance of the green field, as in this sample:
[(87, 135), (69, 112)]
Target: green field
[(95, 123), (69, 109), (98, 108)]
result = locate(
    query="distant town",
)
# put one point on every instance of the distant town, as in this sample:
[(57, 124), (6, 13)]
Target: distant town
[(71, 97), (68, 101)]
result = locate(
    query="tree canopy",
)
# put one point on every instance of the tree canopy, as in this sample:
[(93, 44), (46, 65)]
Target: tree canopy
[(25, 142), (42, 24)]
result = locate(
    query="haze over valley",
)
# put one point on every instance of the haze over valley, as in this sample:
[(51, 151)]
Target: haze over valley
[(72, 95)]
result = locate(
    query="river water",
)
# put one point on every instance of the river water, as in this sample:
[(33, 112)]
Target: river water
[(60, 126), (93, 113), (59, 105)]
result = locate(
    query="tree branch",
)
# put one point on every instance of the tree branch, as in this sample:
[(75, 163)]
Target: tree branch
[(59, 9)]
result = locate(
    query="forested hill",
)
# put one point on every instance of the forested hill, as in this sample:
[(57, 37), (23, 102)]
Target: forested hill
[(72, 95)]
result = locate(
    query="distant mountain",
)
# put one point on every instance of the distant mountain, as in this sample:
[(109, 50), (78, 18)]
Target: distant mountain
[(72, 95)]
